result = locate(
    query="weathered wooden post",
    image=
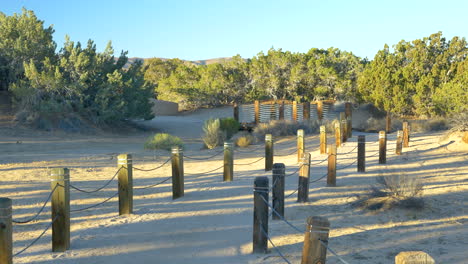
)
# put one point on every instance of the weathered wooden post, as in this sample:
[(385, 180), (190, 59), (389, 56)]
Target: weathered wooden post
[(260, 223), (320, 110), (268, 152), (315, 240), (323, 140), (304, 179), (388, 122), (279, 171), (177, 172), (348, 110), (361, 154), (331, 177), (60, 206), (338, 134), (405, 134), (125, 178), (306, 110), (294, 111), (399, 142), (6, 231), (228, 173), (344, 130), (349, 126), (281, 110), (413, 257), (300, 144), (257, 112), (236, 112), (382, 147)]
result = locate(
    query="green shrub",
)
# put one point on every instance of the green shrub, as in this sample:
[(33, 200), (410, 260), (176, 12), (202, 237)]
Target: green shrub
[(230, 126), (213, 135), (163, 141)]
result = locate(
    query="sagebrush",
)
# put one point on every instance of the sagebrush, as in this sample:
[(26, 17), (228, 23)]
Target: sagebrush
[(163, 141), (213, 135)]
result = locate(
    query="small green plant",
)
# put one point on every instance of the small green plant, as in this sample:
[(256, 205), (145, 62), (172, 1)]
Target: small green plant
[(244, 140), (213, 135), (230, 126), (163, 141)]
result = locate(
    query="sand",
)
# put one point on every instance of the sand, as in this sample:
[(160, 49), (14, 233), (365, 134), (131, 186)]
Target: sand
[(212, 223)]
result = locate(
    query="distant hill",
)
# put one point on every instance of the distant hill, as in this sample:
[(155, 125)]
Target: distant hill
[(197, 62)]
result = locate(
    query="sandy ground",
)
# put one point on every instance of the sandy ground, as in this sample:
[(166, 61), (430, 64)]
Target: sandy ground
[(212, 223)]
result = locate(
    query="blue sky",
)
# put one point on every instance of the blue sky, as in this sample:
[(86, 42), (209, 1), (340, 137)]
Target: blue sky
[(200, 29)]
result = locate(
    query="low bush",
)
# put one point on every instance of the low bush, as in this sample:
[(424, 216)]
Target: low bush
[(230, 126), (163, 141), (284, 128), (244, 139), (213, 135), (423, 126), (459, 122)]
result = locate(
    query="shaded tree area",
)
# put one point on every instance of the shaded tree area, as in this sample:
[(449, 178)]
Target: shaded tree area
[(75, 82)]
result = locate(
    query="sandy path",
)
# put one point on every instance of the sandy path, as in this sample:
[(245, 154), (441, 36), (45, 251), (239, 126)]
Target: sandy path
[(212, 223)]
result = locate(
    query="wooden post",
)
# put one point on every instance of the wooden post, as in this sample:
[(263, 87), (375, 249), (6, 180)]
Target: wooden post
[(228, 173), (317, 230), (405, 134), (323, 140), (236, 112), (414, 257), (320, 110), (331, 177), (279, 171), (399, 142), (306, 110), (304, 178), (361, 154), (257, 112), (125, 177), (281, 110), (382, 147), (260, 223), (294, 111), (349, 126), (348, 110), (344, 130), (300, 144), (6, 232), (60, 206), (177, 172), (388, 123), (268, 152), (338, 134)]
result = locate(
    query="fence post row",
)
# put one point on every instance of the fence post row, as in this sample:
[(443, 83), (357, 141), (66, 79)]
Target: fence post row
[(125, 178), (399, 142), (323, 140), (60, 207), (317, 231), (361, 154), (414, 257), (6, 231), (279, 171), (331, 176), (300, 144), (304, 176), (260, 226), (268, 152), (406, 131), (338, 134), (177, 172), (382, 147), (228, 173)]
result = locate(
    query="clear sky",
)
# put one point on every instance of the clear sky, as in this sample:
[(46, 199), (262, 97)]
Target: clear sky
[(204, 29)]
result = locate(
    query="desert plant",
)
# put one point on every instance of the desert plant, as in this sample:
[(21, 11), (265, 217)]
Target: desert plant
[(284, 128), (423, 126), (459, 122), (244, 139), (213, 135), (163, 141), (230, 126)]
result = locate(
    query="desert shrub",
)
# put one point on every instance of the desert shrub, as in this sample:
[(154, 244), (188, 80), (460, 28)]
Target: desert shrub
[(428, 125), (391, 191), (213, 135), (163, 141), (284, 128), (230, 126), (459, 122), (243, 139)]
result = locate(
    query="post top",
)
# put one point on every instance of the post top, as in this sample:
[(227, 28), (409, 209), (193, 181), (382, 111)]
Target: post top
[(318, 222), (176, 149), (300, 132), (413, 256), (268, 137), (228, 144), (261, 181), (322, 128), (279, 166), (382, 134), (5, 202)]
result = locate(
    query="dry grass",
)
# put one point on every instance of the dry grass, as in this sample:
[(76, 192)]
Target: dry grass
[(279, 128), (243, 139)]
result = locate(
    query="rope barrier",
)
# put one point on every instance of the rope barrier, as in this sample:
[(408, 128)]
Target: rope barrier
[(321, 161), (294, 151), (242, 164), (346, 166), (154, 185), (160, 166), (35, 240), (333, 252), (200, 173), (94, 205), (40, 210), (193, 158), (348, 151), (323, 176), (291, 174), (100, 188), (274, 246), (289, 195)]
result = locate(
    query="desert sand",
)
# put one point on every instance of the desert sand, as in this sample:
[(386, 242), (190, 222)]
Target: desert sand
[(212, 223)]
